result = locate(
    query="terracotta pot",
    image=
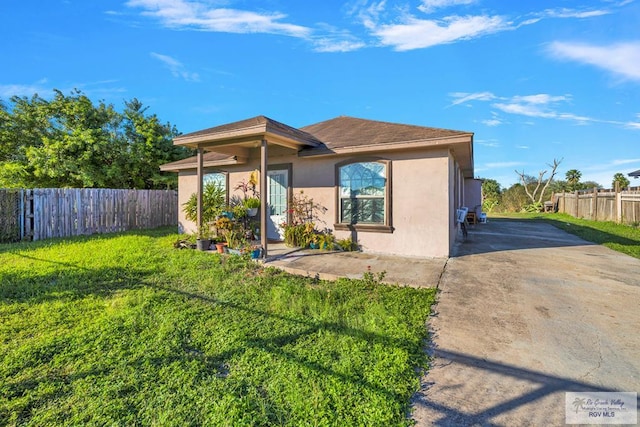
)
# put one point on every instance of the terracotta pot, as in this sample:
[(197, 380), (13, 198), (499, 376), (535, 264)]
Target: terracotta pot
[(220, 247)]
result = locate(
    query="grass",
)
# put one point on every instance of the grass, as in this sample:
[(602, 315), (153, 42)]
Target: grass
[(126, 330), (619, 237)]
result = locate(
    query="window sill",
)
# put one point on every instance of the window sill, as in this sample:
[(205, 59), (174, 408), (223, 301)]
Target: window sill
[(373, 228)]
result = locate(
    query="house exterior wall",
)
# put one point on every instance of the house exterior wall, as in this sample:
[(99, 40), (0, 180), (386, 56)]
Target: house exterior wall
[(422, 204), (453, 202), (473, 194)]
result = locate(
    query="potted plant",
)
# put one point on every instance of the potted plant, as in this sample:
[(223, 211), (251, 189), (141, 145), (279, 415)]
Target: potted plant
[(234, 241), (203, 241), (213, 199), (326, 241), (256, 252), (221, 246), (252, 204), (314, 241)]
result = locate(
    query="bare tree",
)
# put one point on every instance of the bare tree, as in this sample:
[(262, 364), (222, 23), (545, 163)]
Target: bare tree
[(535, 194)]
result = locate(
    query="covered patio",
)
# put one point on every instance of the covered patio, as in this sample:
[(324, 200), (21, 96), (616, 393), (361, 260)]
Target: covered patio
[(237, 143)]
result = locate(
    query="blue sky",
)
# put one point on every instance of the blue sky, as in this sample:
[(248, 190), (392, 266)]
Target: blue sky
[(534, 80)]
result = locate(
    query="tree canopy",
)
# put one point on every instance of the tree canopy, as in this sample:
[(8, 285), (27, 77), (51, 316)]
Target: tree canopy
[(69, 141), (621, 180)]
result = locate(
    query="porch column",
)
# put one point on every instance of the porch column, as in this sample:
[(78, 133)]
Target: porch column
[(263, 196), (199, 191)]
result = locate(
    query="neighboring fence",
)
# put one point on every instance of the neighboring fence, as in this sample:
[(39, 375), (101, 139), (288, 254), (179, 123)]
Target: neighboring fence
[(602, 205), (44, 213), (10, 219)]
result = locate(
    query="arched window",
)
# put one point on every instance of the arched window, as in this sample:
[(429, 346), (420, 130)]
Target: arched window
[(363, 193), (219, 179)]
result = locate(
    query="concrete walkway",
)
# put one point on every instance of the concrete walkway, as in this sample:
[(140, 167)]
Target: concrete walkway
[(527, 312)]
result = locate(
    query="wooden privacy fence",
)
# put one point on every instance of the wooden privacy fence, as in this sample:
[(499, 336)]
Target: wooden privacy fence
[(10, 206), (602, 205), (45, 213)]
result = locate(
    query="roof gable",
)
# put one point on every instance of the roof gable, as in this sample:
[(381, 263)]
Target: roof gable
[(254, 127)]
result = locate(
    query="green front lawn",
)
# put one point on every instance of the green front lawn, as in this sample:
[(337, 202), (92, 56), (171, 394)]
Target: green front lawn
[(126, 330), (619, 237)]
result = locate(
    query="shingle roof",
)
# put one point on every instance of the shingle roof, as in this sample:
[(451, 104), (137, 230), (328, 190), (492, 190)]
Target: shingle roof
[(338, 133), (262, 122), (345, 131)]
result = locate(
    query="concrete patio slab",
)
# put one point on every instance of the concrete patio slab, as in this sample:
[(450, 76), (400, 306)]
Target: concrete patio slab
[(416, 272)]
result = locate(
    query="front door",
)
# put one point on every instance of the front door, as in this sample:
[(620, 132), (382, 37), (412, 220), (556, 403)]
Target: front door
[(277, 186)]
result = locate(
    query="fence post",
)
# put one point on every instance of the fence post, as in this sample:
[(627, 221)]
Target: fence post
[(618, 203), (577, 204), (21, 215), (595, 204)]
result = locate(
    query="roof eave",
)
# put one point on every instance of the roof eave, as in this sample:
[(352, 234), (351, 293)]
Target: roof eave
[(252, 135), (233, 160), (391, 146)]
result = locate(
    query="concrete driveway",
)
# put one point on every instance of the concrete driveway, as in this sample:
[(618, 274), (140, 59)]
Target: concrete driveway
[(527, 312)]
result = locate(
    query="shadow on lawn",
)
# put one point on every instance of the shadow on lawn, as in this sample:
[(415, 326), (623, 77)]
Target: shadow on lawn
[(69, 282), (27, 246), (590, 234), (277, 344)]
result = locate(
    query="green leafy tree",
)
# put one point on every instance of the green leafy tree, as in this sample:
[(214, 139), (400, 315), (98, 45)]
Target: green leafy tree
[(149, 144), (586, 185), (514, 199), (491, 192), (69, 141), (622, 181), (77, 149)]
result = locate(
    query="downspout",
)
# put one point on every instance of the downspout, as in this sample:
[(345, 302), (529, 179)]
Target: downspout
[(263, 197)]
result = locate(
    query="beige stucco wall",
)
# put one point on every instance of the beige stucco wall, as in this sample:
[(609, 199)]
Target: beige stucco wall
[(473, 194), (423, 203)]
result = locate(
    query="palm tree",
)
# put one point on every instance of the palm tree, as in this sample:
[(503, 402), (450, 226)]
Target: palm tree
[(621, 180), (573, 179)]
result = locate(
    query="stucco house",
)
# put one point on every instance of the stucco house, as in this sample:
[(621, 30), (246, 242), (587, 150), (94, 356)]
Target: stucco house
[(393, 188)]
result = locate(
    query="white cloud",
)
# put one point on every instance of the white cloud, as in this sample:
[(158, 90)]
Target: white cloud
[(622, 59), (624, 161), (176, 67), (541, 98), (429, 6), (574, 13), (7, 91), (421, 33), (42, 88), (327, 44), (336, 40), (492, 122), (490, 144), (201, 15), (538, 108), (523, 147), (463, 97)]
